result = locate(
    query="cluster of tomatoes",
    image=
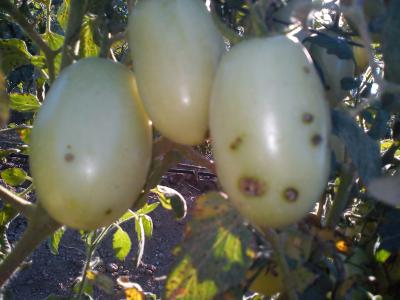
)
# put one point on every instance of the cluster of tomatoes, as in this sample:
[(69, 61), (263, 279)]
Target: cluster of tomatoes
[(262, 102)]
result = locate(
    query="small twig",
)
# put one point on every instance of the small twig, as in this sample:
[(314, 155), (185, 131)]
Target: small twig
[(279, 250), (24, 207), (341, 199), (33, 35), (196, 157), (72, 33)]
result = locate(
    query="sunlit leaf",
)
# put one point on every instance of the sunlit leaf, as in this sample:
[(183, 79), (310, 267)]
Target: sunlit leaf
[(24, 102), (13, 176), (54, 240), (14, 54), (214, 254), (87, 46), (62, 14), (121, 244)]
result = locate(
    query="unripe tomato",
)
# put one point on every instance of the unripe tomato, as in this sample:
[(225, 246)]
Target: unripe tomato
[(175, 49), (333, 69), (267, 283), (90, 145), (269, 126)]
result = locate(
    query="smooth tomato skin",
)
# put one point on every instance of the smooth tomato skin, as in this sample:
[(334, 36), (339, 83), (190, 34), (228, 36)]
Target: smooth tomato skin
[(90, 145), (269, 127), (175, 48)]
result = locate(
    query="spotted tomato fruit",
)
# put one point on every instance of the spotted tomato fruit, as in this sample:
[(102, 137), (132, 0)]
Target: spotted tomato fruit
[(175, 49), (269, 127), (90, 145)]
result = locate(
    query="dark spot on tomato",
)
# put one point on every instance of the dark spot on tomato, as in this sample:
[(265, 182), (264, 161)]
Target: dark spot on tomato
[(236, 143), (69, 157), (306, 70), (307, 118), (251, 186), (108, 211), (69, 147), (291, 194), (207, 136), (316, 139)]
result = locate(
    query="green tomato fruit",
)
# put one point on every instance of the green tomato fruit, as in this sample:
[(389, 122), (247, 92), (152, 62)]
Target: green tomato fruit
[(269, 127), (175, 48), (333, 69), (90, 145)]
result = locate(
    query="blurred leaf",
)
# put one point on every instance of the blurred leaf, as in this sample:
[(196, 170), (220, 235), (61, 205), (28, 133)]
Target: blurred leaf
[(134, 294), (391, 42), (55, 42), (388, 231), (334, 45), (214, 254), (13, 176), (363, 150), (62, 14), (4, 102), (386, 189), (54, 241), (25, 134), (24, 102), (147, 225), (121, 244), (127, 216), (382, 255), (7, 213), (14, 54), (87, 46)]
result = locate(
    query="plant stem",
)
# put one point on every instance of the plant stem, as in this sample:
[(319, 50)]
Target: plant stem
[(33, 35), (48, 15), (72, 33), (40, 226), (342, 196), (278, 247), (89, 254), (21, 205)]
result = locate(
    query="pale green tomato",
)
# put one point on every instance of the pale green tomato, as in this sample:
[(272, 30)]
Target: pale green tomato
[(175, 49), (269, 124), (334, 70), (90, 145)]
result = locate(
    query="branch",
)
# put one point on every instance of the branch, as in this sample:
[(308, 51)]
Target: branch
[(76, 12), (33, 35), (40, 226), (279, 250), (21, 205)]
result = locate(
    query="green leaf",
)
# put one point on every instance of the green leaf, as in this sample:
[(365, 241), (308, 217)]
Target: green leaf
[(147, 225), (4, 102), (55, 42), (128, 215), (382, 255), (7, 213), (147, 208), (215, 252), (87, 46), (14, 54), (24, 102), (13, 176), (172, 200), (54, 240), (62, 14), (121, 244)]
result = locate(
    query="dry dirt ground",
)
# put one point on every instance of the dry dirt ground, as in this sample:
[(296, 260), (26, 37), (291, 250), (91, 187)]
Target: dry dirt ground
[(44, 273)]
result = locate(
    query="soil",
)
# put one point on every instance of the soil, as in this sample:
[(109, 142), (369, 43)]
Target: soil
[(45, 274)]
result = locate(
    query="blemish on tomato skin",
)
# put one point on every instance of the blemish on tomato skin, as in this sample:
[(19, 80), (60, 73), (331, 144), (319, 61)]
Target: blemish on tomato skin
[(69, 147), (306, 70), (251, 186), (307, 118), (316, 139), (69, 157), (108, 211), (291, 194), (236, 143)]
